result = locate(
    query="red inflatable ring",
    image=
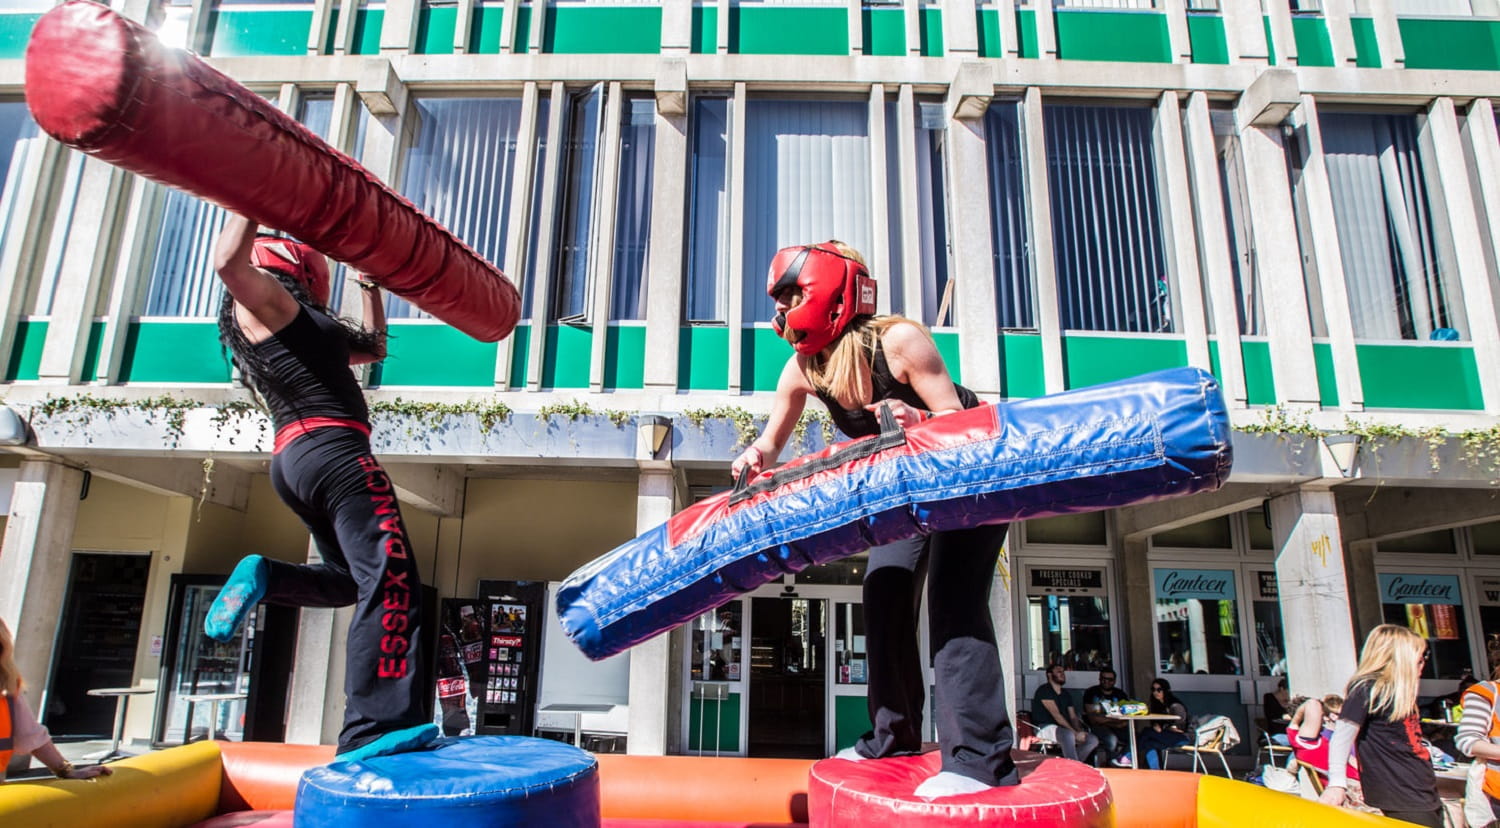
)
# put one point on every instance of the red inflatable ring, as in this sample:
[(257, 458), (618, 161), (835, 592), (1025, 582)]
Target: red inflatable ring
[(1055, 793)]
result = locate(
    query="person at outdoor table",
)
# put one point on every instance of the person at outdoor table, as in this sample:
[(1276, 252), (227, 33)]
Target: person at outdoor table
[(20, 732), (1381, 722), (1276, 705), (1052, 707), (1479, 733), (1164, 734), (1113, 734)]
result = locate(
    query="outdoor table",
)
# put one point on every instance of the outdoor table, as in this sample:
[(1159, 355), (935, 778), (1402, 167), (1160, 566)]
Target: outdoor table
[(214, 700), (578, 710), (1131, 720), (122, 701)]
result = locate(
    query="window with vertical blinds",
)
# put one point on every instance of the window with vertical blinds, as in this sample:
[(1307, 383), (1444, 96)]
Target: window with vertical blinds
[(932, 215), (1106, 219), (807, 179), (1249, 302), (708, 241), (1396, 284), (633, 208), (459, 171), (570, 302), (20, 140), (1014, 306)]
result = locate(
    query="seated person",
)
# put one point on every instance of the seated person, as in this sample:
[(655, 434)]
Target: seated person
[(1113, 736), (1276, 706), (1162, 735), (1056, 717), (1309, 734)]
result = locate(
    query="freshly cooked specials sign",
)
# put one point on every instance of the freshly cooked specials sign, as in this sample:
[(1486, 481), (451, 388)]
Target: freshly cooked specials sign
[(1187, 584)]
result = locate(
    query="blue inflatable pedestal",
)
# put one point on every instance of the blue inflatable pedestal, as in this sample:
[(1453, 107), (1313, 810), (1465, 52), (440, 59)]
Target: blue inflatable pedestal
[(477, 782)]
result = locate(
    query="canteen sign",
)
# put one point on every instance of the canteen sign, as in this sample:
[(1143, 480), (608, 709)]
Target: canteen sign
[(1419, 589), (1188, 584)]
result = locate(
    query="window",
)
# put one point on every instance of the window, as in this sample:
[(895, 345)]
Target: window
[(717, 643), (633, 213), (850, 657), (1396, 284), (1087, 529), (1440, 542), (1248, 301), (1489, 621), (1106, 219), (459, 171), (1485, 538), (807, 179), (1207, 534), (533, 233), (1068, 618), (19, 141), (1431, 606), (571, 301), (932, 218), (1008, 233), (708, 245), (1197, 622), (1270, 639)]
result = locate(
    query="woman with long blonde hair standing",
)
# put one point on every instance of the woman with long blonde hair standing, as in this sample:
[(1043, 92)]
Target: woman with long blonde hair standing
[(20, 732), (864, 367), (1381, 722)]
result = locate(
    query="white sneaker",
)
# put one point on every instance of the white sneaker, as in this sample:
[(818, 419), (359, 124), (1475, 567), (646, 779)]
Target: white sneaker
[(949, 784)]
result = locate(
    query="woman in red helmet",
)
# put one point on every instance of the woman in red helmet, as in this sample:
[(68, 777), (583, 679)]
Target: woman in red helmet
[(294, 354), (856, 363)]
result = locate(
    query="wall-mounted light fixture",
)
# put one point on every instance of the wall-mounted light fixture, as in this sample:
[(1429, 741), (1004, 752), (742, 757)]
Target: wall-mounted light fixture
[(13, 428), (654, 430), (1344, 449)]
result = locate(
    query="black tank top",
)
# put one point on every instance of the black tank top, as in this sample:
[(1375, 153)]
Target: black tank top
[(309, 359), (857, 422)]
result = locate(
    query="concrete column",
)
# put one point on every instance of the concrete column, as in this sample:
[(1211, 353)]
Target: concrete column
[(735, 284), (601, 256), (1279, 266), (1010, 37), (508, 26), (1283, 40), (676, 27), (398, 30), (1039, 230), (34, 563), (1387, 35), (86, 255), (878, 257), (666, 284), (1244, 29), (651, 662), (1213, 244), (1139, 614), (1340, 31), (514, 263), (541, 288), (909, 223), (25, 229), (1046, 30), (1364, 588), (1314, 595), (1182, 248), (1179, 45), (969, 232), (1444, 152), (911, 11), (463, 26), (960, 29), (1329, 261), (1482, 150), (1003, 614)]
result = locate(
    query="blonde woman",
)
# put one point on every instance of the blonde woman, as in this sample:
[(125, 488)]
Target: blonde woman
[(20, 732), (1381, 722), (856, 364)]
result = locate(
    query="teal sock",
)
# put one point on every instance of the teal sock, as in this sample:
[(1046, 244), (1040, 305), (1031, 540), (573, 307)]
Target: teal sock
[(244, 589), (397, 741)]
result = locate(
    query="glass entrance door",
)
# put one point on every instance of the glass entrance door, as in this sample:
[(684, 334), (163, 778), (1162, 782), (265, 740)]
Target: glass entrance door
[(788, 677)]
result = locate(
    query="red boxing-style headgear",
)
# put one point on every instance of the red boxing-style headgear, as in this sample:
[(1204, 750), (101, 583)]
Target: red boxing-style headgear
[(297, 260), (835, 290)]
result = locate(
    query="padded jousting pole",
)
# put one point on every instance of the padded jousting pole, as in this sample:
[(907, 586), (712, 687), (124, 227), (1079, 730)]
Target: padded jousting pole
[(104, 85)]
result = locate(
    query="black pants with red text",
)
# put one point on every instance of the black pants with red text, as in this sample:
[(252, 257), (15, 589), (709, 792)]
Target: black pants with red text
[(973, 726), (338, 488)]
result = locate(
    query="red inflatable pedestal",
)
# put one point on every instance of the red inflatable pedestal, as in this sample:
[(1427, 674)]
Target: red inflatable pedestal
[(1055, 793)]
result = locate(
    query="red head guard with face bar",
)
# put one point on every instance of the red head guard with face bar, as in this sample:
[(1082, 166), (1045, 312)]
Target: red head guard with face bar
[(297, 260), (835, 290)]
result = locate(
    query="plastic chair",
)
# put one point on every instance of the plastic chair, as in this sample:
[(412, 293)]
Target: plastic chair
[(1209, 739)]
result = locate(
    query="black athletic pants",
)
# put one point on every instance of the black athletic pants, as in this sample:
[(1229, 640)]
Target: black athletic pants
[(973, 726), (338, 488)]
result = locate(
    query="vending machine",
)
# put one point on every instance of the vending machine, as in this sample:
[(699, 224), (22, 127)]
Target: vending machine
[(513, 648)]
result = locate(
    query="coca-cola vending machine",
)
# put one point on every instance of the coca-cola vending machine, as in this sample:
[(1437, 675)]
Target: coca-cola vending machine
[(488, 659)]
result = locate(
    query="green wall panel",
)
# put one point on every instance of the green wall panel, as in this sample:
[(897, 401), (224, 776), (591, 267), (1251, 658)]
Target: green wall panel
[(521, 41), (1260, 383), (91, 350), (851, 720), (15, 32), (436, 355), (1366, 46), (1090, 359), (241, 33), (1265, 23), (703, 358), (521, 336), (174, 352), (705, 38), (585, 30), (987, 22), (1139, 37), (435, 28), (947, 345), (566, 355), (625, 356), (1328, 383), (763, 354), (1419, 376), (1027, 46), (26, 351), (1433, 43), (1207, 39), (723, 717), (1021, 359), (884, 31), (930, 30), (1314, 48), (784, 30), (484, 34), (367, 23)]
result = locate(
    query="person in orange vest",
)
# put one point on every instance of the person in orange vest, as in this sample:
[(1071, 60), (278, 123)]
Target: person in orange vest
[(20, 732), (1479, 734)]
